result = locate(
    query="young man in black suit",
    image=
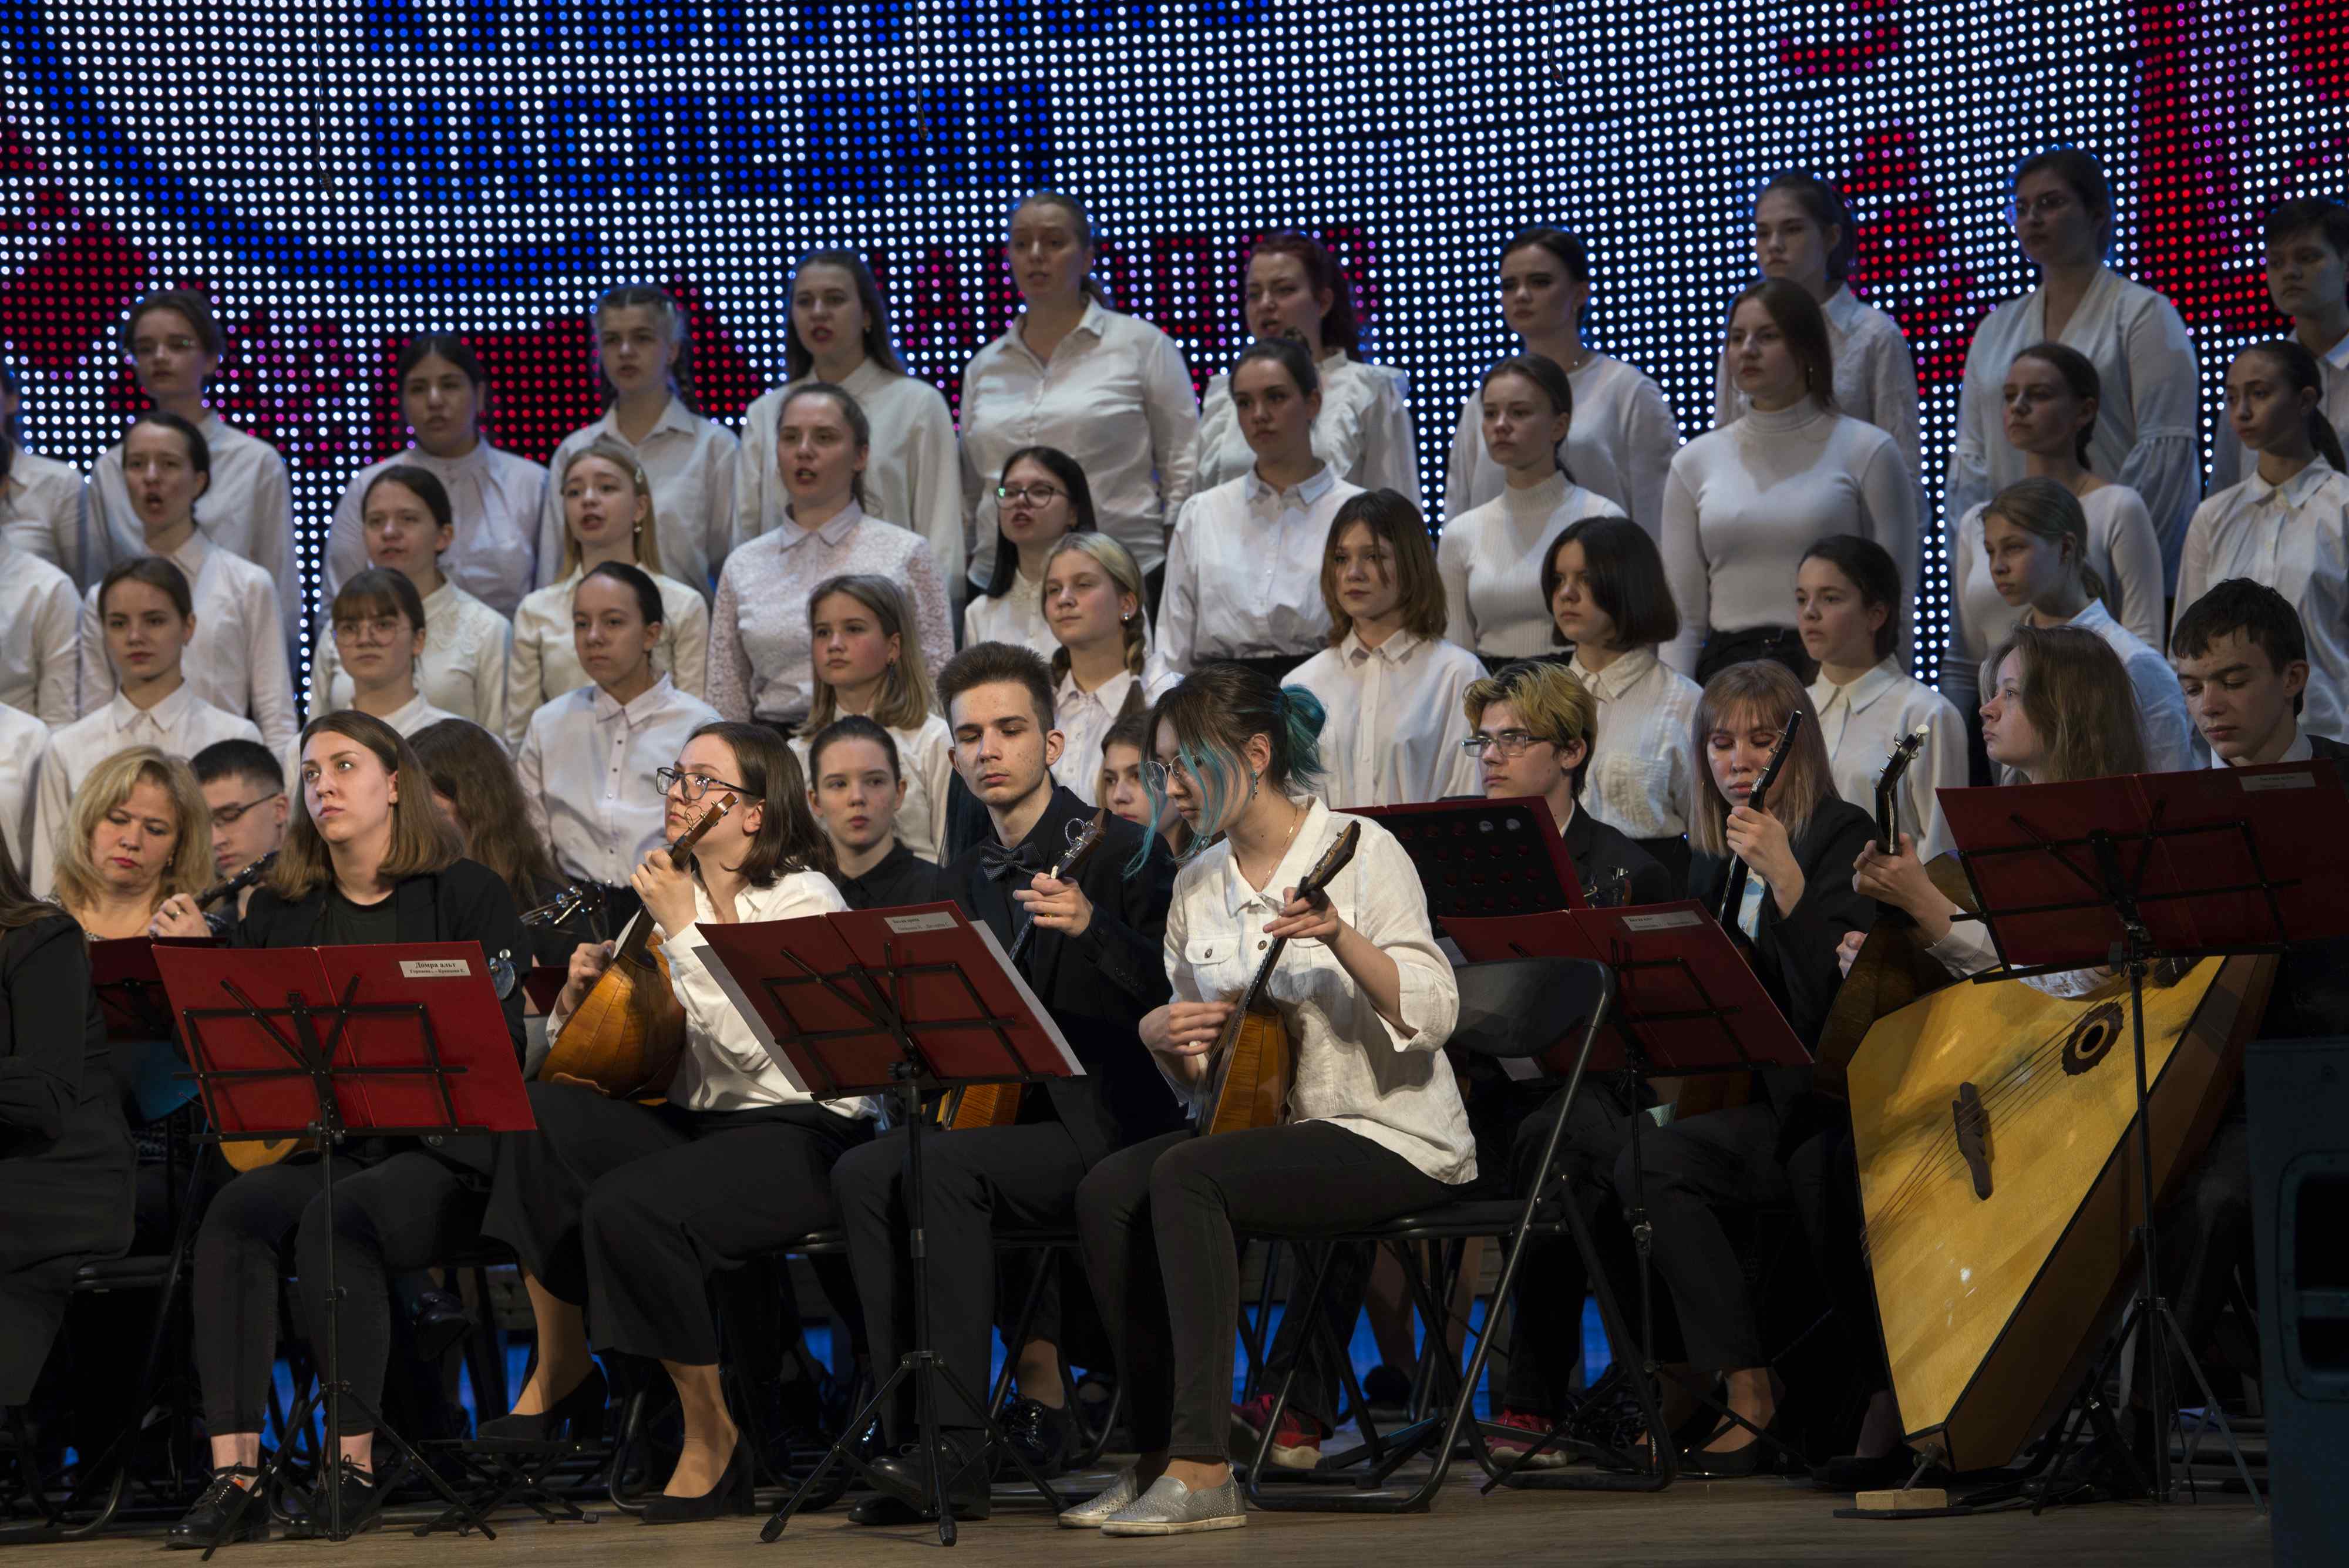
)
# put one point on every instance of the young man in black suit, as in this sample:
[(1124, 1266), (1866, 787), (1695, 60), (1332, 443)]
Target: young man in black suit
[(1096, 963)]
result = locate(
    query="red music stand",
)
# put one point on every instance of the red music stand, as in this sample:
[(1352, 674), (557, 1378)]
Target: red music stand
[(907, 1001), (407, 1039), (1484, 859)]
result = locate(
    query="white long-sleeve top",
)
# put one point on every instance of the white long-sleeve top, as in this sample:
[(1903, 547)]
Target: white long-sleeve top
[(1394, 725), (24, 742), (462, 670), (44, 512), (2122, 551), (689, 462), (417, 713), (247, 509), (1859, 723), (1354, 1069), (1116, 396), (2162, 719), (179, 726), (2294, 537), (926, 761), (1745, 501), (542, 662), (2149, 422), (496, 499), (723, 1066), (1084, 717), (237, 661), (1874, 374), (1619, 445), (586, 765), (914, 472), (1364, 431), (1490, 559), (2231, 463), (1641, 779), (1244, 571), (40, 636), (760, 664), (1015, 616)]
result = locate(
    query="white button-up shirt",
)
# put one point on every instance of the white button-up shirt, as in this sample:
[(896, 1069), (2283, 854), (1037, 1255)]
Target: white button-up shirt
[(1491, 563), (415, 713), (689, 462), (1116, 396), (42, 513), (1861, 722), (1363, 433), (1354, 1069), (2149, 422), (1620, 446), (40, 636), (1244, 571), (926, 761), (2172, 744), (912, 478), (2294, 537), (2299, 750), (1084, 718), (1874, 374), (1641, 779), (462, 668), (1016, 615), (181, 725), (1394, 725), (587, 767), (23, 740), (236, 661), (496, 499), (247, 509), (2231, 463), (760, 664), (543, 662)]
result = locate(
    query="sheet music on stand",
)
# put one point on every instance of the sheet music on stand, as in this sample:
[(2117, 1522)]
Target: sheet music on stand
[(1484, 859)]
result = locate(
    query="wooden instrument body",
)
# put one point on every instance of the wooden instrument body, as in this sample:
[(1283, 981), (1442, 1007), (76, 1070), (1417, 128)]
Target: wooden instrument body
[(1991, 1305), (245, 1153), (1259, 1066)]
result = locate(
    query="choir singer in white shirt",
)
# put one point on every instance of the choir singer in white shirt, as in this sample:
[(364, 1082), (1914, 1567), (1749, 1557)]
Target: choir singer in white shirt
[(1092, 601), (2306, 248), (1041, 498), (43, 510), (379, 629), (866, 662)]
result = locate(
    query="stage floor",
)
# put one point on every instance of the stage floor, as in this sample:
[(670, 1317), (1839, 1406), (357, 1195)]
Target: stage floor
[(1718, 1523)]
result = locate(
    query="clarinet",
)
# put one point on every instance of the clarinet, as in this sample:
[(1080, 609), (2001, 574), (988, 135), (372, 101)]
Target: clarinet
[(220, 919), (1732, 892)]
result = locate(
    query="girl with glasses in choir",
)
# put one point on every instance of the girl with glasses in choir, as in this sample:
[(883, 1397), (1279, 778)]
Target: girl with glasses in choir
[(837, 332), (40, 609), (1488, 555), (379, 634), (2306, 246), (1041, 498), (409, 528), (1092, 601), (607, 508), (866, 664), (1363, 429), (1621, 441), (494, 496)]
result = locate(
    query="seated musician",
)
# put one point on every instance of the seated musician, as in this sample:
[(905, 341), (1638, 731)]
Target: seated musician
[(245, 786), (477, 788), (137, 835), (1094, 964), (368, 859), (1797, 905), (1375, 1126), (856, 787), (622, 1211)]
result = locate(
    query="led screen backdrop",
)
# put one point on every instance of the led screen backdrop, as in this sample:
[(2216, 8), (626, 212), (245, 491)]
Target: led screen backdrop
[(339, 175)]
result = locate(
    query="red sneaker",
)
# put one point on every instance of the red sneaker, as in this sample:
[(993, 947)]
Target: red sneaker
[(1534, 1429), (1296, 1442)]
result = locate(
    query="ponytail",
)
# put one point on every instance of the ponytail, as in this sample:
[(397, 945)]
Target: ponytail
[(2048, 510), (2301, 373), (1302, 717)]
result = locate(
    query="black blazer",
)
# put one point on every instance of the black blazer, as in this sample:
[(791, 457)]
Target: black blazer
[(66, 1159), (2311, 996), (1599, 851), (1097, 986)]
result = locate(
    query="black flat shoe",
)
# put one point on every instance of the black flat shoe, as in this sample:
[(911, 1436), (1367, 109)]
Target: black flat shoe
[(904, 1477), (1041, 1434), (577, 1416), (1752, 1460), (197, 1529), (439, 1322), (362, 1503), (733, 1494)]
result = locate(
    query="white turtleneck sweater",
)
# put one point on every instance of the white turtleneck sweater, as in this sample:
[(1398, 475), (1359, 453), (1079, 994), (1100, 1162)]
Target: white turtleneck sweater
[(1490, 558)]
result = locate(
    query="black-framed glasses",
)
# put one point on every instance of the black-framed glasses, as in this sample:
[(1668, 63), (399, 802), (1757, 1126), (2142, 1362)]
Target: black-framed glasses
[(1033, 494), (696, 786), (227, 816), (1513, 742)]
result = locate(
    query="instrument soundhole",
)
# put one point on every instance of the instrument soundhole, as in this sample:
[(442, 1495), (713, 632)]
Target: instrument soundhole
[(2092, 1039)]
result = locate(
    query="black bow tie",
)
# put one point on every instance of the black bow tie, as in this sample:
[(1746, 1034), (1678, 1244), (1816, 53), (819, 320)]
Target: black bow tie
[(1000, 863)]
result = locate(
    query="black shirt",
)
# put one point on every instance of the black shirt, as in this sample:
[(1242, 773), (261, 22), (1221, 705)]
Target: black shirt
[(344, 924), (900, 878)]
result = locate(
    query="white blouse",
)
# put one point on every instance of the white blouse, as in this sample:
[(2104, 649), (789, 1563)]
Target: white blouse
[(247, 509), (587, 767), (42, 513), (236, 661), (410, 716), (1641, 779), (1016, 615), (1490, 559), (2231, 463), (24, 740), (926, 761), (1116, 396), (1085, 718), (2170, 742), (1745, 501), (1363, 433), (179, 726), (2294, 537), (913, 471), (1861, 722), (1354, 1069), (40, 636), (2149, 422), (2122, 551), (1874, 374), (1620, 446), (543, 662), (689, 462), (1394, 725), (496, 499), (1244, 571), (462, 668)]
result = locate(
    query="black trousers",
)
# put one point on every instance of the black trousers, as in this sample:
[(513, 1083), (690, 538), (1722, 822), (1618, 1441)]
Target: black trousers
[(2203, 1232), (392, 1216), (1694, 1171), (628, 1209), (60, 1207), (974, 1182), (1158, 1221), (1546, 1316)]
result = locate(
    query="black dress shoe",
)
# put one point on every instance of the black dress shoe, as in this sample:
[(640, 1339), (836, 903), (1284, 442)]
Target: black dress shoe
[(362, 1503), (733, 1494), (231, 1485), (1041, 1434), (905, 1476), (439, 1323), (577, 1416), (1750, 1461)]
